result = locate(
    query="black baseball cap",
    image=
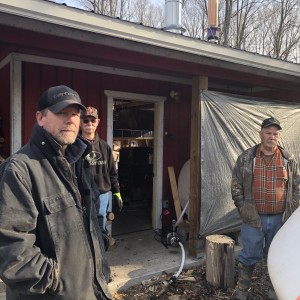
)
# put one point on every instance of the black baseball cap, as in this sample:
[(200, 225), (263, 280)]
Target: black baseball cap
[(270, 121), (57, 98)]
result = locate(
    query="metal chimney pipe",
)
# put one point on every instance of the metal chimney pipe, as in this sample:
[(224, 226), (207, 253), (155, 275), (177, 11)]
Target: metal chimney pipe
[(173, 14), (213, 21)]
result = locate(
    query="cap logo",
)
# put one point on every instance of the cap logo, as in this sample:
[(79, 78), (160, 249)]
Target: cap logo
[(64, 94), (57, 98)]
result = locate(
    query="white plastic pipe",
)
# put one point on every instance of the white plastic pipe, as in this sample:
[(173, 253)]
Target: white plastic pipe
[(174, 277), (182, 213), (284, 259), (182, 260)]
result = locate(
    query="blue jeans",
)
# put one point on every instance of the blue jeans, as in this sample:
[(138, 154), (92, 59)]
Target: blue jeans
[(104, 199), (256, 241)]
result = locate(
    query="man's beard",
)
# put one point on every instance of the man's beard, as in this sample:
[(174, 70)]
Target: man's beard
[(65, 140)]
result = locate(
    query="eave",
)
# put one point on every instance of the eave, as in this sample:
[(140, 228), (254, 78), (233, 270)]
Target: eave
[(60, 20)]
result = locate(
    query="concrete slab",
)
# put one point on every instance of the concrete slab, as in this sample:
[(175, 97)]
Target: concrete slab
[(140, 256), (2, 290)]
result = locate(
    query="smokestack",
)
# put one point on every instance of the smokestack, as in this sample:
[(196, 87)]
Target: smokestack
[(173, 10), (213, 22)]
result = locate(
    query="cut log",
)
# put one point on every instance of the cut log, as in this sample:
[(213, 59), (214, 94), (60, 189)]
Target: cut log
[(219, 251)]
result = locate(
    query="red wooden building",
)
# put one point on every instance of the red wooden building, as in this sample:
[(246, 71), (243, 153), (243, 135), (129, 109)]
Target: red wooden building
[(127, 69)]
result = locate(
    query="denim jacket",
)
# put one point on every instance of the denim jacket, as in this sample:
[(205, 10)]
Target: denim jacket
[(50, 241), (242, 186)]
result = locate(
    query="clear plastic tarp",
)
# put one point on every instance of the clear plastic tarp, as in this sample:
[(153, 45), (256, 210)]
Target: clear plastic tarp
[(230, 124)]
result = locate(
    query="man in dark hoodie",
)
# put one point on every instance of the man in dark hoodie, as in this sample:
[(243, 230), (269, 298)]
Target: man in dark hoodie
[(101, 163), (51, 246)]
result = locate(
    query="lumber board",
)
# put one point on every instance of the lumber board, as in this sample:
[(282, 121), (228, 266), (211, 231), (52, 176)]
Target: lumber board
[(175, 192)]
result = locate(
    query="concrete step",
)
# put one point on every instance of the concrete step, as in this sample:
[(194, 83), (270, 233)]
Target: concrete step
[(2, 288)]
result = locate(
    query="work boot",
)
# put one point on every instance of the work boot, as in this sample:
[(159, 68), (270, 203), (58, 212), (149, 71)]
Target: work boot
[(240, 294), (244, 282), (272, 294)]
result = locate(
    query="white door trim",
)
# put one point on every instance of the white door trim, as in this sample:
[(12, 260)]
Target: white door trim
[(15, 105), (158, 102)]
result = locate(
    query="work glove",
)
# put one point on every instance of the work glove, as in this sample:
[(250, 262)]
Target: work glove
[(119, 201)]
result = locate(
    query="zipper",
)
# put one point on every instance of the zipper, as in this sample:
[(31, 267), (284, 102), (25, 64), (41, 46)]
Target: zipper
[(73, 177)]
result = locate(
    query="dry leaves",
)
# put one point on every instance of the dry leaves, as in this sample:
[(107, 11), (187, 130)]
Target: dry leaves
[(192, 285)]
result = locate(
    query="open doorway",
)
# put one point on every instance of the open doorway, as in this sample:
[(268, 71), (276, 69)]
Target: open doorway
[(151, 155), (133, 136)]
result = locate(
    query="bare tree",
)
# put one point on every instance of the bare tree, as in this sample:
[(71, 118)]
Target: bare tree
[(275, 30), (113, 8), (284, 28), (227, 21), (243, 18), (141, 11), (268, 27), (194, 18)]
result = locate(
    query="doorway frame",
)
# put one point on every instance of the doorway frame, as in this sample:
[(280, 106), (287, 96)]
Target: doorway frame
[(158, 102)]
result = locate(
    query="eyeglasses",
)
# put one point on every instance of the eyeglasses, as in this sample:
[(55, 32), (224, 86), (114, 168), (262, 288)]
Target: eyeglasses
[(89, 120)]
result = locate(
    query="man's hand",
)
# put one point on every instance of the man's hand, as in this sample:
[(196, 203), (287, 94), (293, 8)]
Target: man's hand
[(118, 199), (240, 209)]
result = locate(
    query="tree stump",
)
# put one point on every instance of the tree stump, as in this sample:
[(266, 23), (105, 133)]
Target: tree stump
[(219, 251)]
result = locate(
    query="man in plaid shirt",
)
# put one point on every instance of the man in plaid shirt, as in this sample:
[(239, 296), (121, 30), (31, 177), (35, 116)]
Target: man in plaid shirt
[(266, 191)]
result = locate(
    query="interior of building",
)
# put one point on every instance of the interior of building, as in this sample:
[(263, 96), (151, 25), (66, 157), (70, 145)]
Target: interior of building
[(133, 132)]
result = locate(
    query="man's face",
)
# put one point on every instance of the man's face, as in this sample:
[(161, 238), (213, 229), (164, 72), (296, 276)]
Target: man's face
[(88, 125), (63, 126), (269, 137)]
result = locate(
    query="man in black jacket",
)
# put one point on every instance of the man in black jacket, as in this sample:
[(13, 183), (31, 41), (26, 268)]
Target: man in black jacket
[(51, 245)]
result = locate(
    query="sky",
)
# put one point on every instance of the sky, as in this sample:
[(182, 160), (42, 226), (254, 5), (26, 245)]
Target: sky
[(74, 3)]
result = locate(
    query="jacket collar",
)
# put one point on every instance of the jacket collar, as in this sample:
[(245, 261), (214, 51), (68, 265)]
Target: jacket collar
[(48, 145)]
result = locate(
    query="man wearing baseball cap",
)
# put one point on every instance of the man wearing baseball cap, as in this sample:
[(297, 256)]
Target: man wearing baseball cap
[(266, 191), (51, 245), (101, 162)]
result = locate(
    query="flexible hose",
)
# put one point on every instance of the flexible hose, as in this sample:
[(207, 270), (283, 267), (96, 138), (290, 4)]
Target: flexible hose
[(182, 260), (174, 277)]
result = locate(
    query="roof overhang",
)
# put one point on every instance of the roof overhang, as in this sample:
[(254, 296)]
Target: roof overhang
[(60, 20)]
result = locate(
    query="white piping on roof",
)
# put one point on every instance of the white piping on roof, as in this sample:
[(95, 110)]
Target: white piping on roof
[(87, 21)]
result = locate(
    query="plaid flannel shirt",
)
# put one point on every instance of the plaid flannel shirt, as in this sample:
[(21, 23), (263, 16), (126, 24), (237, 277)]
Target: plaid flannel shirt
[(269, 183)]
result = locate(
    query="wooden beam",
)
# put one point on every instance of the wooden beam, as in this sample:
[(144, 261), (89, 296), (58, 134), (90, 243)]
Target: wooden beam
[(174, 188), (199, 83)]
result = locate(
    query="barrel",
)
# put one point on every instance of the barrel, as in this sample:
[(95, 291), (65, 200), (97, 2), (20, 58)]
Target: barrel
[(284, 259)]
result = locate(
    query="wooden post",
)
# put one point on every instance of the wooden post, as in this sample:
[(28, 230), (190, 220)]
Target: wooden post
[(219, 251), (195, 245)]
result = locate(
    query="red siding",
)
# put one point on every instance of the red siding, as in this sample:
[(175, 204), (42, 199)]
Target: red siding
[(91, 86), (31, 90), (5, 109)]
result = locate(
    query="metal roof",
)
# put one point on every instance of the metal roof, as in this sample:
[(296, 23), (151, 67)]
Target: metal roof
[(186, 47)]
